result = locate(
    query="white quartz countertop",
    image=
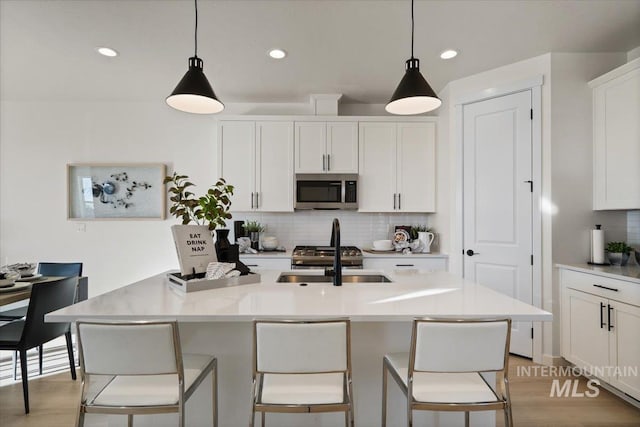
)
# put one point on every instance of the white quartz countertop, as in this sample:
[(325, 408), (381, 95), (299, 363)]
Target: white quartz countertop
[(630, 273), (412, 293), (268, 254)]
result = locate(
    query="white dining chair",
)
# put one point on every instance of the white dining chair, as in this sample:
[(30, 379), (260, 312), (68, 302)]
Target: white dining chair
[(138, 368), (443, 370), (302, 366)]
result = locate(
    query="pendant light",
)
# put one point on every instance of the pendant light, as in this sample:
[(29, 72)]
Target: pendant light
[(413, 95), (194, 93)]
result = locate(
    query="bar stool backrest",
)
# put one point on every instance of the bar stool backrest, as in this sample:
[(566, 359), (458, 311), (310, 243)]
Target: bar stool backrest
[(460, 346), (138, 348), (301, 347)]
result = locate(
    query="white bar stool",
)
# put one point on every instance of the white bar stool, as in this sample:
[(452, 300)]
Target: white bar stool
[(442, 370), (138, 368), (302, 366)]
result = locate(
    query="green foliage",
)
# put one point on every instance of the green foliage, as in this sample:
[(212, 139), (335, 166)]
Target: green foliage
[(415, 229), (253, 226), (212, 208), (619, 247)]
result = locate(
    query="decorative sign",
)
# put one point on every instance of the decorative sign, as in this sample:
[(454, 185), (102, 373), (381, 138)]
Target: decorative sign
[(195, 248)]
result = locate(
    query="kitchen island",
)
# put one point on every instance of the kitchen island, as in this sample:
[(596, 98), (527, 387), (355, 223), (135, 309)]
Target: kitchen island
[(218, 322)]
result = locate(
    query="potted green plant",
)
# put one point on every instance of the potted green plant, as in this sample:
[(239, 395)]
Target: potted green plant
[(618, 253), (253, 229), (210, 209)]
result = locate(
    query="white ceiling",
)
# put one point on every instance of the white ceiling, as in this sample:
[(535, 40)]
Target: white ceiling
[(353, 47)]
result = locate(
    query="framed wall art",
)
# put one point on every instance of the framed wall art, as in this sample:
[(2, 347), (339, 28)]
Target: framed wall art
[(115, 191)]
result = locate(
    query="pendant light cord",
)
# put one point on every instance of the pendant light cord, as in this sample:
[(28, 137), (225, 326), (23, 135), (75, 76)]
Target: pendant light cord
[(196, 31), (412, 29)]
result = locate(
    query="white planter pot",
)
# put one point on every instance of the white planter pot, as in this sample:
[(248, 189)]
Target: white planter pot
[(426, 239)]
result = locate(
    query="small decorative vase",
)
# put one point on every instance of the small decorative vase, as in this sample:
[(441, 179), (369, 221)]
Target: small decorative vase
[(618, 258), (426, 239), (254, 236), (222, 244)]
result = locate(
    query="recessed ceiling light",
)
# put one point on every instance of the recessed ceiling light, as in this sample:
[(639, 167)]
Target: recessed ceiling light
[(277, 53), (448, 54), (107, 51)]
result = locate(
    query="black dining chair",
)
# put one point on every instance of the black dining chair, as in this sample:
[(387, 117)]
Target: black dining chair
[(32, 331), (62, 269)]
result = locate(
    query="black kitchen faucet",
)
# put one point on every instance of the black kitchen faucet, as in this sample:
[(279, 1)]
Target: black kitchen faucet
[(337, 262)]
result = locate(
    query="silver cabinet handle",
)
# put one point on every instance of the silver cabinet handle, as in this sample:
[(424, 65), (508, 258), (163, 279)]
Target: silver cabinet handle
[(252, 200), (328, 162), (324, 162), (399, 201)]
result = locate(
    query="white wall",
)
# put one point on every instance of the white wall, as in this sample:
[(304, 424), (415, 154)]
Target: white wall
[(39, 139)]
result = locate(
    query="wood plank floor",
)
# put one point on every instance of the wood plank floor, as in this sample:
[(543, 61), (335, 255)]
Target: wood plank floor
[(53, 404)]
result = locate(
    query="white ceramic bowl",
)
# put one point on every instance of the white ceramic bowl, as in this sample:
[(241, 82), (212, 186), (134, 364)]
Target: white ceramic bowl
[(269, 242), (8, 278), (382, 245)]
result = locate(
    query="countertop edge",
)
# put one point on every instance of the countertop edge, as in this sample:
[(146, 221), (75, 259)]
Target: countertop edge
[(629, 273)]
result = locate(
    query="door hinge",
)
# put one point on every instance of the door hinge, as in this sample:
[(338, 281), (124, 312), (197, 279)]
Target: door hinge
[(531, 114), (531, 333), (532, 259)]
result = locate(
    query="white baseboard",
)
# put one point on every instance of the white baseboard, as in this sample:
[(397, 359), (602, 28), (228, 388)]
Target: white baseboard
[(549, 360)]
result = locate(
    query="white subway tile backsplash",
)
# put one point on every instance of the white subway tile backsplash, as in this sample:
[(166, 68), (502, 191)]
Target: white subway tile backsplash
[(314, 227)]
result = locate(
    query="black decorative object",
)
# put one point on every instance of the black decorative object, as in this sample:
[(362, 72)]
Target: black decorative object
[(222, 244), (413, 95), (194, 94)]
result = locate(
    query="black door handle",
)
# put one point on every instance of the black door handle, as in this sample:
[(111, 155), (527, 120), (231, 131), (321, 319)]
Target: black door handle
[(602, 324), (471, 253), (609, 310)]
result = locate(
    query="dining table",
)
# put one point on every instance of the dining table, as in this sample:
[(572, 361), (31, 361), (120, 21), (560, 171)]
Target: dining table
[(9, 296)]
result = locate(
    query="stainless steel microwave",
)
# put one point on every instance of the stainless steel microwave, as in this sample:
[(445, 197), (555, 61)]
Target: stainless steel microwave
[(326, 191)]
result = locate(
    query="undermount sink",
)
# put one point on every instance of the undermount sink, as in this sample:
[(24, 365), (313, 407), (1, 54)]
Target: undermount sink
[(346, 278)]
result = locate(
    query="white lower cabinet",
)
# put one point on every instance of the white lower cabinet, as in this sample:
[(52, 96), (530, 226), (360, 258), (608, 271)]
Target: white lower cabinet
[(401, 262), (601, 328)]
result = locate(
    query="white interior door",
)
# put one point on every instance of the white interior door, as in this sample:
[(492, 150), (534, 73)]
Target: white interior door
[(497, 211)]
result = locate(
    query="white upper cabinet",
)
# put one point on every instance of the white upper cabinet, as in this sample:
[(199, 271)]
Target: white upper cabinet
[(616, 138), (257, 159), (236, 161), (326, 147), (397, 167)]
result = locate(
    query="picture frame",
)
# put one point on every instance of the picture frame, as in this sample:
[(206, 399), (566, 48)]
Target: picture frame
[(116, 191)]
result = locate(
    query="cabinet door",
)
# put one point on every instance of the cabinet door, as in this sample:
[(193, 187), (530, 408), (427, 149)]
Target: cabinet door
[(416, 167), (625, 347), (236, 157), (377, 179), (274, 166), (616, 108), (310, 151), (342, 147), (585, 337)]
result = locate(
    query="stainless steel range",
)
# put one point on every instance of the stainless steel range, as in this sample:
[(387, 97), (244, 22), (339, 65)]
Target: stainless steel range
[(322, 256)]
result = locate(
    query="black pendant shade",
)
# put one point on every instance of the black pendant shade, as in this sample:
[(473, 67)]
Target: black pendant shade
[(413, 95), (194, 94)]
